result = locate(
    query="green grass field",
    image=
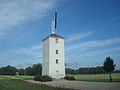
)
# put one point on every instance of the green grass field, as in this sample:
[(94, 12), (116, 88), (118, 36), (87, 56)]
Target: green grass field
[(97, 77), (16, 77), (16, 83), (13, 83)]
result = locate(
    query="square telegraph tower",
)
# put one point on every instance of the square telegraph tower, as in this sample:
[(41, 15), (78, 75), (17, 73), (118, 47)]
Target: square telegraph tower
[(53, 54)]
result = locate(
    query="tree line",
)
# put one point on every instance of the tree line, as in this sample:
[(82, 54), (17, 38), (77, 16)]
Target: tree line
[(87, 70), (108, 67), (37, 69), (32, 71)]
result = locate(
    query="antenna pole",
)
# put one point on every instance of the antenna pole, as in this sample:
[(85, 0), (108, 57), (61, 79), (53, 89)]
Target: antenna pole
[(54, 24), (55, 20)]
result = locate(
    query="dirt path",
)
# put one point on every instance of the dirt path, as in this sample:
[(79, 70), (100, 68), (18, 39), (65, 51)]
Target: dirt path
[(81, 85)]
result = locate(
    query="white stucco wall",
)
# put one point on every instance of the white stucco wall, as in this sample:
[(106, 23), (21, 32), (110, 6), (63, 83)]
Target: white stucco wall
[(45, 64), (49, 58)]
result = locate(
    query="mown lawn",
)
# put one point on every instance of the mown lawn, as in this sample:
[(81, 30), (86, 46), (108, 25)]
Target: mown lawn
[(12, 84), (17, 83), (97, 77), (16, 77)]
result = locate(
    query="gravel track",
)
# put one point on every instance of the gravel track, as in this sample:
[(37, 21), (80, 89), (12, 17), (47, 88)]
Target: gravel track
[(80, 85)]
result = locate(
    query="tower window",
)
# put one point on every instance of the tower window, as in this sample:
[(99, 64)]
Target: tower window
[(57, 71), (56, 40), (56, 61), (56, 51)]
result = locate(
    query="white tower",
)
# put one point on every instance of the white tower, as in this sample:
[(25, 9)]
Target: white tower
[(53, 54)]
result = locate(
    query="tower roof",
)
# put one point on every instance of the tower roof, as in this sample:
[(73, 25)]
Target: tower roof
[(54, 36)]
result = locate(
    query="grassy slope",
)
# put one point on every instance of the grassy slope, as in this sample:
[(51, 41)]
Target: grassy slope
[(97, 77), (12, 84), (17, 83)]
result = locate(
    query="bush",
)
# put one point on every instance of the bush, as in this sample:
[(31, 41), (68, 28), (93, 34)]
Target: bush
[(69, 78), (44, 78)]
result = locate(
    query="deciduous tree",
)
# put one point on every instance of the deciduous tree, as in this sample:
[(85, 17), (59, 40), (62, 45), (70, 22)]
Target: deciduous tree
[(109, 66)]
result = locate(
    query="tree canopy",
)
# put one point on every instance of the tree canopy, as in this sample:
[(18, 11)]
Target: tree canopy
[(109, 65), (8, 70)]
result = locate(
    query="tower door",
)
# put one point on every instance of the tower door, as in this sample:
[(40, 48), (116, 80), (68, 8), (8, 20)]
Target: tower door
[(57, 74)]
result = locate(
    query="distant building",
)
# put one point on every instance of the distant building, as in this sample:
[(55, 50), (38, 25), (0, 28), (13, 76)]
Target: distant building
[(53, 55)]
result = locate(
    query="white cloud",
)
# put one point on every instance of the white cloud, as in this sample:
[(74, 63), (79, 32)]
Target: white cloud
[(30, 49), (117, 48), (116, 18), (30, 54), (102, 52), (2, 34), (91, 44), (15, 12), (77, 36), (24, 65), (96, 57)]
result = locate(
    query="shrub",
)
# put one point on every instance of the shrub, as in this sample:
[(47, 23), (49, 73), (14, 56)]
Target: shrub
[(69, 78), (44, 78)]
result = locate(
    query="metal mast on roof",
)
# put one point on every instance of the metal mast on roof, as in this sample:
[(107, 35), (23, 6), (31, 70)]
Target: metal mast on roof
[(54, 24)]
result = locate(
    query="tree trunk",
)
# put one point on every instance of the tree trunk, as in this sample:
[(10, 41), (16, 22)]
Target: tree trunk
[(110, 76)]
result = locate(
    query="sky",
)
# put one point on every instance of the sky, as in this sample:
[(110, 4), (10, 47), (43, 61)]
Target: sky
[(91, 29)]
